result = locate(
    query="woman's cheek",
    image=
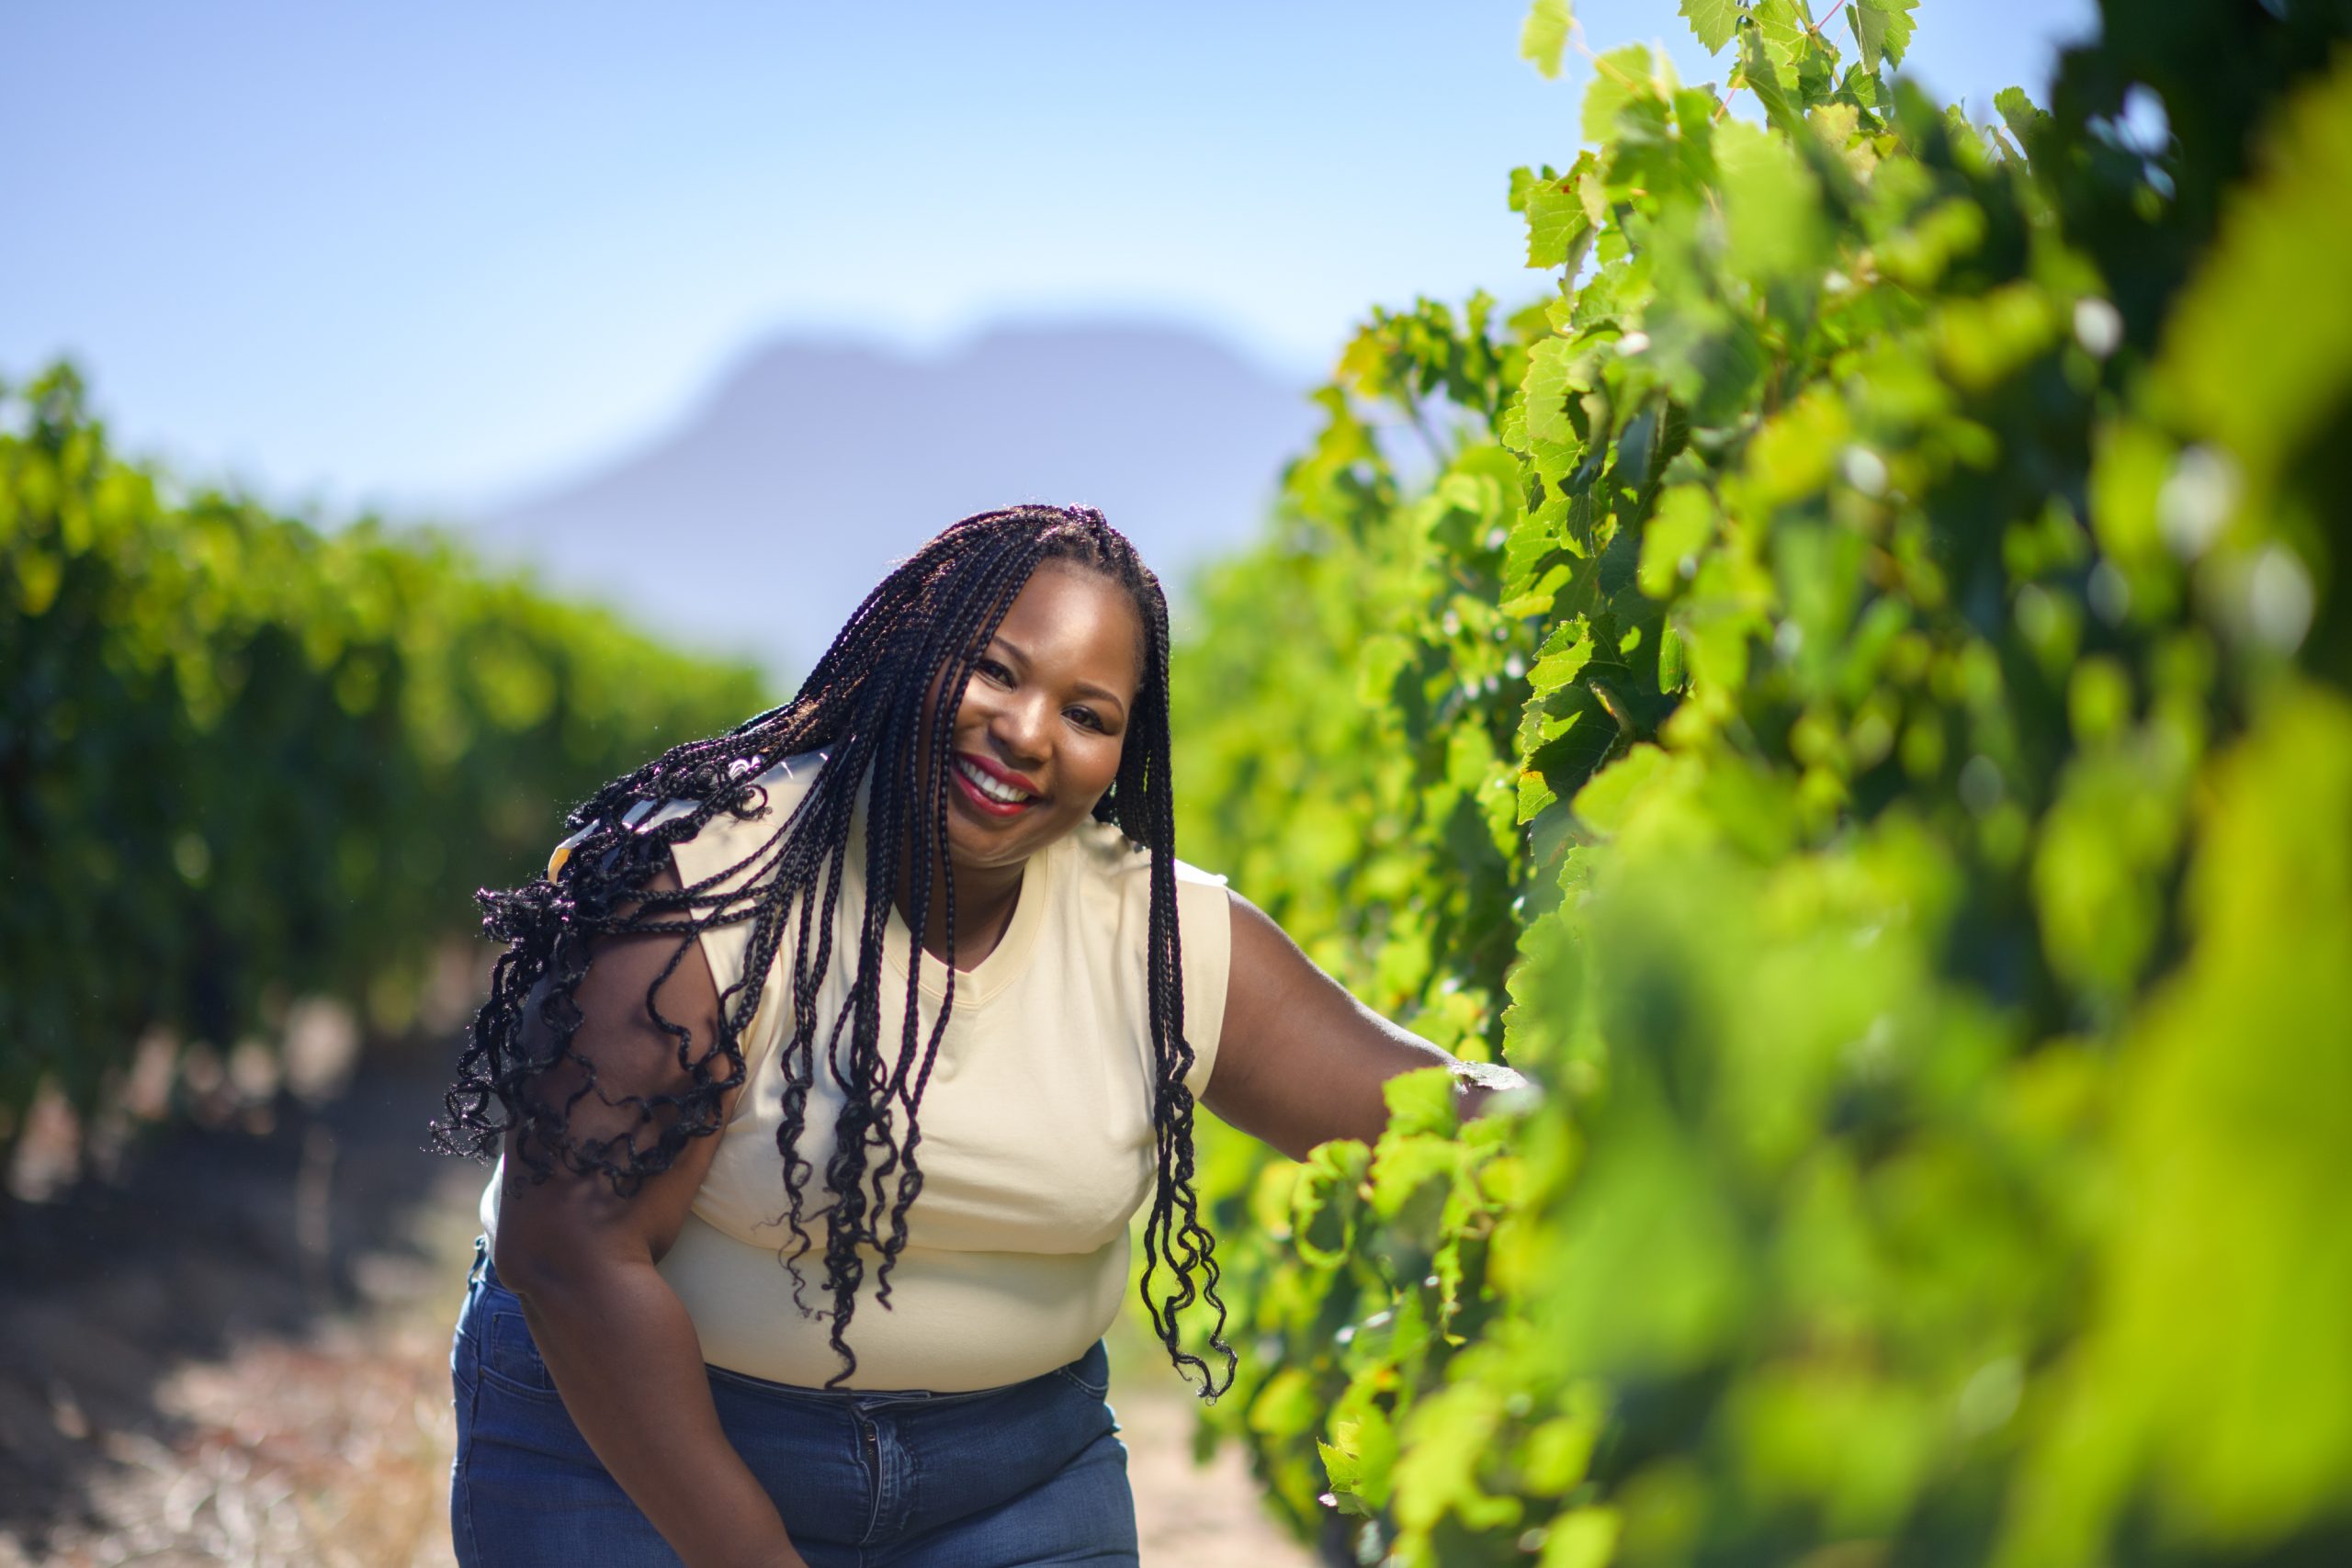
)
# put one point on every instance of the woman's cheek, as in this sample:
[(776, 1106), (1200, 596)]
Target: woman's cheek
[(1107, 762)]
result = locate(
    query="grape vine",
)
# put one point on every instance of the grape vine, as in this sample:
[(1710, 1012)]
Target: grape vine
[(1859, 712), (243, 762)]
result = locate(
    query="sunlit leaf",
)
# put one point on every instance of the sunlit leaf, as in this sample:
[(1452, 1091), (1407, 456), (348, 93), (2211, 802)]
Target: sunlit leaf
[(1544, 35), (1714, 21), (1619, 78), (1881, 29)]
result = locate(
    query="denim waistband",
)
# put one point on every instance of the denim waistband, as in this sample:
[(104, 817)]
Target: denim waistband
[(485, 1272), (864, 1398)]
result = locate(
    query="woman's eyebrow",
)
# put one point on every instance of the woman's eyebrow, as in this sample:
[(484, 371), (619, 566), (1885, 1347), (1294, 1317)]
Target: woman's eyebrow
[(1084, 688)]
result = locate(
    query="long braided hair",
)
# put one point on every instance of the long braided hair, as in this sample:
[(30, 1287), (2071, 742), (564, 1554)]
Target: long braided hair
[(931, 619)]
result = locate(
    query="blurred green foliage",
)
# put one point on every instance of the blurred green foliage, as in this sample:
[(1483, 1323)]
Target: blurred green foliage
[(241, 759), (1849, 692)]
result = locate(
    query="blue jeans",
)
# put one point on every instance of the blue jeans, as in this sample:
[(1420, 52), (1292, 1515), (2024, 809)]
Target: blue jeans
[(1031, 1472)]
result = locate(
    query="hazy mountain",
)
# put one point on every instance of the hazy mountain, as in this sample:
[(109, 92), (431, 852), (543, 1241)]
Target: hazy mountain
[(762, 520)]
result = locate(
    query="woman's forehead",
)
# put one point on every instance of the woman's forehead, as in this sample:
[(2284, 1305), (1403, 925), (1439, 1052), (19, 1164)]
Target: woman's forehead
[(1069, 614)]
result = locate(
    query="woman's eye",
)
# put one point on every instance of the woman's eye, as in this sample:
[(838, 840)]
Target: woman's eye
[(993, 671), (1087, 716)]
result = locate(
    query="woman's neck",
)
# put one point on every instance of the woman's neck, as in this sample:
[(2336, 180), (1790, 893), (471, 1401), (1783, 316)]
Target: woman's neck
[(985, 900)]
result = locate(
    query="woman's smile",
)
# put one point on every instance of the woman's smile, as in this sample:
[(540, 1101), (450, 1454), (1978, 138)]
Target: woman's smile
[(994, 789)]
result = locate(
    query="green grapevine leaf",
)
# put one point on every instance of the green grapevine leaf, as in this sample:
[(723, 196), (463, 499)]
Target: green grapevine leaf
[(1565, 655), (1683, 521), (1406, 1163), (1522, 179), (1581, 1537), (1287, 1407), (1772, 207), (1531, 571), (1757, 72), (1714, 21), (1544, 35), (1552, 376), (1561, 224), (1420, 1101), (1881, 29), (1603, 803), (1559, 1451), (1783, 31), (1619, 78), (1535, 797), (1436, 1473), (2020, 114)]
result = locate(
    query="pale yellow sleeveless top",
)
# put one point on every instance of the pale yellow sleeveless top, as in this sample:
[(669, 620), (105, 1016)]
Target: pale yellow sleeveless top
[(1036, 1147)]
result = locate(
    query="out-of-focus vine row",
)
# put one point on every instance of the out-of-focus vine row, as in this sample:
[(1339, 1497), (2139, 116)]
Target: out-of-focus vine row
[(243, 761), (1856, 705)]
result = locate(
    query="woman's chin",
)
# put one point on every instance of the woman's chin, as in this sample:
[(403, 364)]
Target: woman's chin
[(983, 840), (978, 837)]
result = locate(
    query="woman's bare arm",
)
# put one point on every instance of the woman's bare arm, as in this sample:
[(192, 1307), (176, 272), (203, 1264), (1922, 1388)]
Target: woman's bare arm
[(1299, 1061), (617, 1340)]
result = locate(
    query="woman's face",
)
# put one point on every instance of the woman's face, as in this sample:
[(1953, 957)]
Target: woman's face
[(1043, 720)]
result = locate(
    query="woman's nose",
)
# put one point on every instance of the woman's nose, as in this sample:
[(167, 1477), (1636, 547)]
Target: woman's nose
[(1021, 727)]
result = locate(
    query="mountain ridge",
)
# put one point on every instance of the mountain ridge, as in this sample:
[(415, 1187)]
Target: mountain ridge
[(812, 463)]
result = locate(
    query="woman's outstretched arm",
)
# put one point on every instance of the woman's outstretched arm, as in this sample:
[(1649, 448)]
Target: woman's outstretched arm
[(1300, 1061), (617, 1340)]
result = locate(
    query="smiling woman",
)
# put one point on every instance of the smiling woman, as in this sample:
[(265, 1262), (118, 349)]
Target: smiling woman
[(689, 1026)]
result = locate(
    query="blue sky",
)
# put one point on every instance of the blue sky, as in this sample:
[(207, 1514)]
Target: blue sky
[(423, 255)]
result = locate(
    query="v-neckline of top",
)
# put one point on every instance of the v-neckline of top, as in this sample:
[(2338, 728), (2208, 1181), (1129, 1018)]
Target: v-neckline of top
[(1004, 961)]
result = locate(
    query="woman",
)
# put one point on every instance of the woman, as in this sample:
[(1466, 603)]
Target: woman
[(723, 947)]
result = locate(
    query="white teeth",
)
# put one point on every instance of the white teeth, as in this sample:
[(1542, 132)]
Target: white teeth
[(988, 784)]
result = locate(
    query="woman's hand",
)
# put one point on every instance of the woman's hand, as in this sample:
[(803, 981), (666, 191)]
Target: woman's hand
[(1300, 1061), (615, 1336)]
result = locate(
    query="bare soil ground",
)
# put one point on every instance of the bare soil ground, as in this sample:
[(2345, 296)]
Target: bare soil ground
[(237, 1352)]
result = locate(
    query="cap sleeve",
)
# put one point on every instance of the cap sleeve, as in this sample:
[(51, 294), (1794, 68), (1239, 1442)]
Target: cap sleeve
[(717, 852), (1205, 930)]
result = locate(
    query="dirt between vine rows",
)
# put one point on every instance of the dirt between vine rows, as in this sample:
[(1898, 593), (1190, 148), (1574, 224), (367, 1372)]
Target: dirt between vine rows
[(236, 1351)]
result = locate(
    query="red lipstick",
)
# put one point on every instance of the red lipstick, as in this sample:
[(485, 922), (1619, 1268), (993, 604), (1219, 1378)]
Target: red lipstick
[(1003, 774), (978, 800)]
